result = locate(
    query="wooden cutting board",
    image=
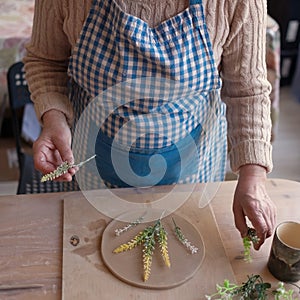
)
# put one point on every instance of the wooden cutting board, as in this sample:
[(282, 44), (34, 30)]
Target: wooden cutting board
[(85, 275)]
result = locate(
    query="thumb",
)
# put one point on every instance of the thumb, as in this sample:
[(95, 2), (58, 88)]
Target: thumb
[(65, 151)]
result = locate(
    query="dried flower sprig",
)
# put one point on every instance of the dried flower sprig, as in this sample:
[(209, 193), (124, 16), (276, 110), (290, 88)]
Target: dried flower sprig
[(180, 236), (63, 169), (119, 231), (148, 238), (247, 243)]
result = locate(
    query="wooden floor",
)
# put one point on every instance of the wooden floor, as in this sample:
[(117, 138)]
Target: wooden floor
[(286, 147)]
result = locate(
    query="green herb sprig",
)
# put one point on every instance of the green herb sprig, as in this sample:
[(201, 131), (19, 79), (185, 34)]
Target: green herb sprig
[(247, 243), (282, 293), (253, 289)]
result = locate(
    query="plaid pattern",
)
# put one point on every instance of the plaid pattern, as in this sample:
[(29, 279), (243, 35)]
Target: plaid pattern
[(115, 47)]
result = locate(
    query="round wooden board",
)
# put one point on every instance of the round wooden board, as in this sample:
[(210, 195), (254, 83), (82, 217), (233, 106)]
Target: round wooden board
[(128, 265)]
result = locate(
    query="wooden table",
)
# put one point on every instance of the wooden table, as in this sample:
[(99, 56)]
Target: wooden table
[(31, 238)]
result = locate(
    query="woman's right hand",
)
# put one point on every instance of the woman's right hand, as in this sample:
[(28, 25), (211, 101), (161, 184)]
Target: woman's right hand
[(53, 147)]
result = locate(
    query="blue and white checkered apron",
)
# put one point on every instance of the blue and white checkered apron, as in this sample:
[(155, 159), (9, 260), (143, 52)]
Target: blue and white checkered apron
[(114, 48)]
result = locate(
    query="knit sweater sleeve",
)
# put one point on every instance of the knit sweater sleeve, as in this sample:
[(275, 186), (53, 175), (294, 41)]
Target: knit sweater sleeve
[(46, 61), (245, 87)]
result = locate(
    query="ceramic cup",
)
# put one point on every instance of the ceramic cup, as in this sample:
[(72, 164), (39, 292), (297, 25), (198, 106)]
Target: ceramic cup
[(284, 259)]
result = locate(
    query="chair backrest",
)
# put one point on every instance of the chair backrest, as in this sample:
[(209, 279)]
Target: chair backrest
[(19, 94)]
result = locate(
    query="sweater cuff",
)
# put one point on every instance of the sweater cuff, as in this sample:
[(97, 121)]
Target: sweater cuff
[(255, 152), (56, 101)]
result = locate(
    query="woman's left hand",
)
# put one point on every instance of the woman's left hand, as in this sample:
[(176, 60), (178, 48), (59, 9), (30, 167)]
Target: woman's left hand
[(252, 201)]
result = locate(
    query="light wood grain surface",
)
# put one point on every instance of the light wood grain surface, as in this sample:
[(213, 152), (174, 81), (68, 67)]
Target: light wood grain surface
[(31, 233), (86, 276)]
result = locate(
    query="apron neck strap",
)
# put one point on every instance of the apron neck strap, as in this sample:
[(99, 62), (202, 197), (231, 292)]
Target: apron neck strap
[(195, 2)]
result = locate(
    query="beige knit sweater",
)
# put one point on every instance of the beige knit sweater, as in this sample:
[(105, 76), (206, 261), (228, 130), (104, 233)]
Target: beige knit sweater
[(237, 31)]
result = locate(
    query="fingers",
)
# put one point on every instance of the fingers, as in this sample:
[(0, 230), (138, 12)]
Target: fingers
[(258, 223), (52, 149), (260, 220), (263, 220), (240, 220), (63, 154), (64, 151), (44, 158), (262, 230), (258, 209)]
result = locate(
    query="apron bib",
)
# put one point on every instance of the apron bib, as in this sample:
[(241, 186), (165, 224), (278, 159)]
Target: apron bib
[(115, 48)]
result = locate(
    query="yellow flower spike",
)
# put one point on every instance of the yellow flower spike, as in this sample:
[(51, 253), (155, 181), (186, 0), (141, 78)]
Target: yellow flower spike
[(147, 260), (163, 244), (148, 237), (131, 244), (165, 255)]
